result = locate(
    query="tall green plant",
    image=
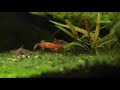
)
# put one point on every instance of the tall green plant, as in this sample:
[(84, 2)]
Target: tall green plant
[(72, 33), (97, 31), (80, 30), (95, 41)]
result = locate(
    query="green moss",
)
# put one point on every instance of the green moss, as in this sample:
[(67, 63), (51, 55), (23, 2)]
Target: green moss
[(40, 62)]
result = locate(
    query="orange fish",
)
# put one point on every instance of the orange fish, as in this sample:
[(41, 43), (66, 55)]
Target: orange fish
[(47, 45)]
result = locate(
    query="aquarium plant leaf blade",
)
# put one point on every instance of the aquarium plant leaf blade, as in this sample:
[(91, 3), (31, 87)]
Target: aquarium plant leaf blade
[(65, 31), (72, 29), (74, 44), (66, 26), (97, 31)]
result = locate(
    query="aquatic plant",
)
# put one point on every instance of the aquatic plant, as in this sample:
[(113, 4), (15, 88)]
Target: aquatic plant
[(90, 38), (116, 30), (75, 17), (73, 33), (93, 42)]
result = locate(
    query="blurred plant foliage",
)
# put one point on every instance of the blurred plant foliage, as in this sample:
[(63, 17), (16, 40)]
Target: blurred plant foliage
[(93, 41), (89, 25), (116, 30), (76, 17)]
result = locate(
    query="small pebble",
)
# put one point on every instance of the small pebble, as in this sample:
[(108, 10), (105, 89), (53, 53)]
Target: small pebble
[(13, 59), (37, 67), (18, 56), (10, 61), (2, 61), (28, 56), (9, 58), (45, 54), (49, 62), (36, 56), (23, 56), (67, 49), (61, 69), (81, 61), (59, 54)]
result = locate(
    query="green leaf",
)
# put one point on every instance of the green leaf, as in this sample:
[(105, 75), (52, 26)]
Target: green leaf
[(65, 31), (97, 31), (104, 39), (66, 26), (37, 13), (74, 44), (72, 29), (87, 28), (106, 42)]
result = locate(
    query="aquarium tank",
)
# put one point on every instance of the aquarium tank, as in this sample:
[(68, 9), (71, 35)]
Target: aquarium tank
[(59, 44)]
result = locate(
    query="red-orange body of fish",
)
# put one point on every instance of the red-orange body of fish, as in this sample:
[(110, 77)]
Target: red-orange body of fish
[(47, 45)]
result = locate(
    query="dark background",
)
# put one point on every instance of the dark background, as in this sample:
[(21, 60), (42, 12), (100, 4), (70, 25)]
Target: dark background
[(17, 29)]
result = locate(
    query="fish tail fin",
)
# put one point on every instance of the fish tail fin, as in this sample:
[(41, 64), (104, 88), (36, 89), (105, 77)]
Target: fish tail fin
[(35, 46)]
